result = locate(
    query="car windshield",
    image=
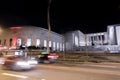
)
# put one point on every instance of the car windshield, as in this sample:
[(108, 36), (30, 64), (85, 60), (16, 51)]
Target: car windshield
[(17, 58)]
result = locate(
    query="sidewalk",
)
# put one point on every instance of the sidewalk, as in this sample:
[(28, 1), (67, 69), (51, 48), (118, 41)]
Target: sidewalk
[(78, 64), (76, 67)]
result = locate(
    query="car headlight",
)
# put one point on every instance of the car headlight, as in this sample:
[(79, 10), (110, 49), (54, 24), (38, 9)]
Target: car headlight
[(22, 63), (32, 62)]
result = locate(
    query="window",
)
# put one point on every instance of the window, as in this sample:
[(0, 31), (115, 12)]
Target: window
[(18, 42), (60, 46), (57, 46), (50, 44), (63, 47), (4, 42), (54, 46), (37, 42), (76, 41), (0, 42), (10, 42), (45, 43), (28, 42)]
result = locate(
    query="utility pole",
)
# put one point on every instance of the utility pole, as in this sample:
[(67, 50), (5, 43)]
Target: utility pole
[(86, 50), (86, 45), (49, 27)]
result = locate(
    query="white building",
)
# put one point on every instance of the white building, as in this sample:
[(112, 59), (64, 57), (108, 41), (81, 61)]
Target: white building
[(103, 41), (70, 41), (30, 36)]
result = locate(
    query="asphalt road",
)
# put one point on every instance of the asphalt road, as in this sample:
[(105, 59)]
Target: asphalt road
[(65, 72)]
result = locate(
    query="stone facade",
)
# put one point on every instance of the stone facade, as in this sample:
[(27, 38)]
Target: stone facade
[(70, 41), (73, 40), (30, 36), (101, 41)]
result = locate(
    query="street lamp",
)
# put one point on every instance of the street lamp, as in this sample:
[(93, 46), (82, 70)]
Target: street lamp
[(49, 27)]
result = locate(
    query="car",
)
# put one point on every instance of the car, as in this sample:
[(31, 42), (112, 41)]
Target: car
[(14, 62), (45, 57)]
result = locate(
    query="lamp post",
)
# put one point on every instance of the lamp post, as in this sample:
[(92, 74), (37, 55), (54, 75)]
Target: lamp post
[(48, 23)]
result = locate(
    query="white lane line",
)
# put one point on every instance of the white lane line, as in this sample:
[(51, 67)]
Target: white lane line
[(14, 75), (104, 66)]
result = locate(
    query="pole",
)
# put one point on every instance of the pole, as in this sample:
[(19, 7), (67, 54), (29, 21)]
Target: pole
[(86, 48), (49, 27), (86, 45)]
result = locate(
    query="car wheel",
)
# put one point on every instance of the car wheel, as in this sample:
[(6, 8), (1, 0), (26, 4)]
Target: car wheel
[(46, 61), (52, 60)]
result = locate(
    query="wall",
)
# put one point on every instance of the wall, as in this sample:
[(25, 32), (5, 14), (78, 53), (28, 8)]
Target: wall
[(32, 33), (73, 40)]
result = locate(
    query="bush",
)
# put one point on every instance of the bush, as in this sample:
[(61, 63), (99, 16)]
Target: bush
[(33, 47)]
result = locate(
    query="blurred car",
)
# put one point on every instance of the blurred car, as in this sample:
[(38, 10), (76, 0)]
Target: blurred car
[(44, 57), (14, 62)]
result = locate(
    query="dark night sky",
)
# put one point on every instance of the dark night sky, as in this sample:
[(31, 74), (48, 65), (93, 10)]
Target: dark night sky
[(89, 16)]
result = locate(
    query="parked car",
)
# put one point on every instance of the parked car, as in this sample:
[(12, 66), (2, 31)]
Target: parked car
[(14, 62)]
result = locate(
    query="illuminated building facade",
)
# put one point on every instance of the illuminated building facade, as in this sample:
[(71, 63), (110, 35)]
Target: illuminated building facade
[(14, 37), (71, 41), (101, 41)]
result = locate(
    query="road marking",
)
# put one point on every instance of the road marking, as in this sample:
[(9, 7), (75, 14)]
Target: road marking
[(14, 75), (104, 66)]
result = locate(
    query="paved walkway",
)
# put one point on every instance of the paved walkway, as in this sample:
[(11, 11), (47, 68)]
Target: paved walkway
[(76, 67)]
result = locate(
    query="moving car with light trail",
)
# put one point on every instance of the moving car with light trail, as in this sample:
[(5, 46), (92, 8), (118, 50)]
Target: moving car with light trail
[(45, 57), (14, 62)]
